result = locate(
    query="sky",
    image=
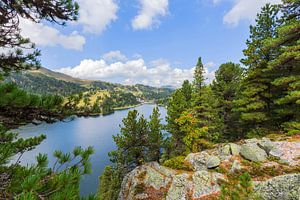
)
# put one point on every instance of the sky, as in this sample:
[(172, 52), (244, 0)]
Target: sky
[(153, 42)]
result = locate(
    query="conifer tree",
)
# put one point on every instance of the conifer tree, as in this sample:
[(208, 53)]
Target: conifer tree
[(131, 142), (201, 106), (55, 11), (199, 76), (226, 87), (286, 67), (176, 106), (255, 102), (155, 138), (187, 90)]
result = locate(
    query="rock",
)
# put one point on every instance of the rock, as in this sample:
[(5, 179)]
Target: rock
[(236, 166), (212, 162), (252, 152), (251, 141), (234, 149), (277, 153), (225, 150), (281, 187), (179, 188), (291, 152), (197, 160), (205, 183), (148, 176), (266, 144)]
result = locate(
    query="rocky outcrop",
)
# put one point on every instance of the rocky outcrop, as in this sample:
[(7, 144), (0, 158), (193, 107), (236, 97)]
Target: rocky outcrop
[(280, 187), (154, 182), (252, 152)]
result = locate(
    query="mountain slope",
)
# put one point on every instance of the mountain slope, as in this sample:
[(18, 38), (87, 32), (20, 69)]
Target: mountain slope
[(45, 81)]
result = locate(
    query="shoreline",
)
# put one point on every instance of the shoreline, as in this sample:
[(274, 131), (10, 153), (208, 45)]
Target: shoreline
[(72, 117)]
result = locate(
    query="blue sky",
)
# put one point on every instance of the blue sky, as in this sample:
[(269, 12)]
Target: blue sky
[(155, 42)]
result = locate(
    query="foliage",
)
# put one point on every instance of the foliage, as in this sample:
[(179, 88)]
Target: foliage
[(12, 12), (237, 187), (131, 143), (255, 102), (177, 163), (155, 137), (226, 88), (193, 134), (39, 181), (110, 184), (285, 67), (177, 104)]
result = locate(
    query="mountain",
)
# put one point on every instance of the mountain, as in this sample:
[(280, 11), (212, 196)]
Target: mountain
[(45, 81)]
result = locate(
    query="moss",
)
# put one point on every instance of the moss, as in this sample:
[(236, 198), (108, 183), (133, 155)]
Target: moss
[(221, 170)]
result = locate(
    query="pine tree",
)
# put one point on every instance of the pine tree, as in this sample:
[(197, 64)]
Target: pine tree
[(176, 106), (199, 76), (226, 87), (131, 143), (255, 102), (187, 90), (202, 108), (155, 137), (286, 67), (55, 11)]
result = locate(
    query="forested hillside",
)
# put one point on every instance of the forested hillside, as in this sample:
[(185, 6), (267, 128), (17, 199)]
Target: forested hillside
[(44, 81)]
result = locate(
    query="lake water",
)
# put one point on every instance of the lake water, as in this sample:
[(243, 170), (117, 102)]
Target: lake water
[(84, 132)]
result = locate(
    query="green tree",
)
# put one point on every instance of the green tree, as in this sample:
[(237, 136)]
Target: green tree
[(110, 184), (177, 104), (131, 143), (226, 87), (285, 67), (155, 137), (255, 102), (195, 138), (55, 11), (187, 90), (199, 76)]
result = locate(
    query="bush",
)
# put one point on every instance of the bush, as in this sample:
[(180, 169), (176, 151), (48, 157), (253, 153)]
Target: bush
[(238, 187), (177, 163)]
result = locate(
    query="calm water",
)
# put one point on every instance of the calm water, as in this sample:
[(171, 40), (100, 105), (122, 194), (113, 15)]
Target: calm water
[(84, 132)]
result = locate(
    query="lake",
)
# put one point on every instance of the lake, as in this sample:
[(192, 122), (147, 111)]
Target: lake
[(84, 132)]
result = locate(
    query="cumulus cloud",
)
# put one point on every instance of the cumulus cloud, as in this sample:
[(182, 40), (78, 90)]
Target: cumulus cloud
[(114, 56), (150, 11), (96, 15), (45, 35), (244, 10), (155, 73)]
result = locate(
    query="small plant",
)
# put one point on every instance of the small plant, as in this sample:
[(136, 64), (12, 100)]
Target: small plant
[(237, 188), (177, 163)]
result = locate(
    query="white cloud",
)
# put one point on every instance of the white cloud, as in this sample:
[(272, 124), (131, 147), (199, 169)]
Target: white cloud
[(244, 10), (114, 56), (155, 73), (45, 35), (96, 15), (149, 14)]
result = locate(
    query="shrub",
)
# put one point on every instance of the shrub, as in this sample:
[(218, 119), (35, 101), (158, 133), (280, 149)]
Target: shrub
[(177, 163)]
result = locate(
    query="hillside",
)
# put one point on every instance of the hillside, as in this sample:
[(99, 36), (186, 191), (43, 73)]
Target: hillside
[(45, 81)]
